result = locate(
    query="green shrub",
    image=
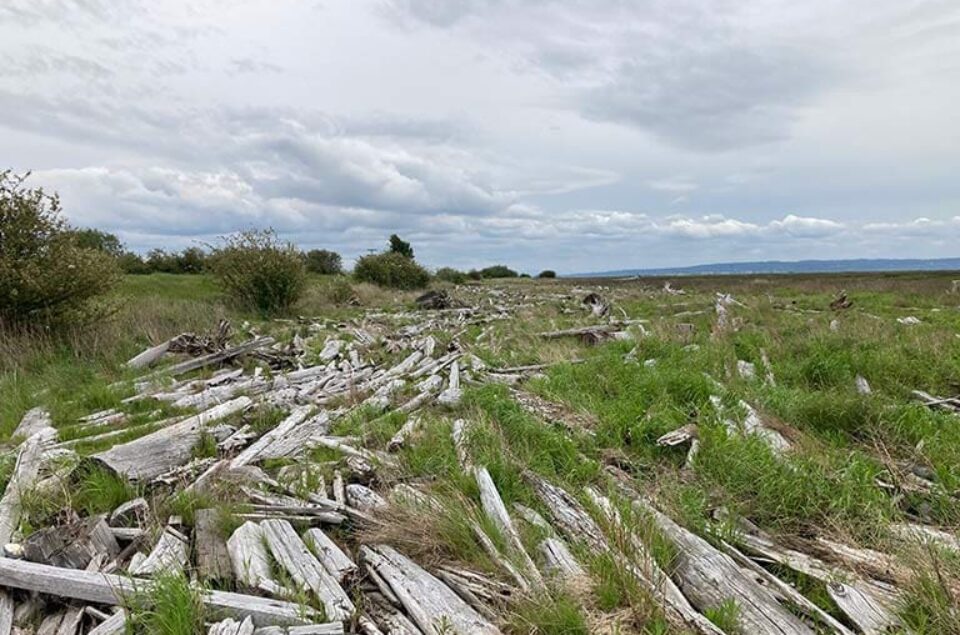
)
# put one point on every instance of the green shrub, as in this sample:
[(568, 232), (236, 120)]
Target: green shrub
[(132, 263), (99, 240), (473, 274), (323, 261), (498, 271), (340, 291), (547, 273), (46, 277), (448, 274), (391, 270), (259, 271)]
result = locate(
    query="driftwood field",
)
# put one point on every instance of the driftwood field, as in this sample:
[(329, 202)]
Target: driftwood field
[(769, 455)]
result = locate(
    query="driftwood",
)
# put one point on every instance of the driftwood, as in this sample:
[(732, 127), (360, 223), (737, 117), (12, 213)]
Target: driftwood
[(218, 357), (149, 356), (331, 556), (170, 555), (34, 421), (560, 563), (73, 545), (152, 455), (709, 578), (230, 626), (293, 555), (250, 560), (496, 511), (116, 624), (253, 452), (102, 588), (429, 603), (213, 557)]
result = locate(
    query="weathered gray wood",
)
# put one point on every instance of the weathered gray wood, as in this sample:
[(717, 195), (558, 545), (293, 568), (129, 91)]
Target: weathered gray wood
[(567, 514), (925, 535), (216, 358), (133, 512), (116, 624), (430, 603), (34, 421), (101, 588), (330, 555), (154, 454), (213, 558), (709, 578), (71, 545), (230, 626), (559, 562), (403, 434), (365, 499), (339, 491), (533, 517), (867, 603), (252, 453), (786, 591), (496, 511), (149, 356), (250, 560), (292, 554), (24, 476), (300, 440), (461, 432), (170, 555), (332, 628)]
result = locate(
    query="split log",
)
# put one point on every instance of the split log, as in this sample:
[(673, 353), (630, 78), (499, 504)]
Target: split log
[(533, 517), (560, 563), (926, 535), (250, 560), (426, 599), (213, 557), (219, 357), (170, 555), (154, 454), (709, 578), (330, 555), (230, 626), (253, 452), (293, 555), (116, 624), (364, 498), (100, 588), (867, 603), (568, 515), (787, 592), (73, 545), (496, 511)]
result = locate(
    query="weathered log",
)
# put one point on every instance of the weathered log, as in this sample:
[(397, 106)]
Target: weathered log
[(149, 356), (567, 514), (34, 421), (678, 436), (428, 601), (559, 562), (330, 555), (150, 456), (213, 557), (170, 555), (73, 545), (364, 498), (253, 452), (230, 626), (250, 560), (496, 511), (219, 357), (116, 624), (709, 578), (292, 554), (405, 432), (101, 588)]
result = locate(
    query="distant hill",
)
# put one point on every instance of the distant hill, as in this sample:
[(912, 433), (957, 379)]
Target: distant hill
[(798, 266)]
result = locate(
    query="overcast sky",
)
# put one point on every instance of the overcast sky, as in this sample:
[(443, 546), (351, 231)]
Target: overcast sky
[(578, 135)]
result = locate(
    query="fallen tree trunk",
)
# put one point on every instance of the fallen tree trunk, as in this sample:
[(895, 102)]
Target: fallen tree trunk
[(102, 588), (154, 454), (216, 358)]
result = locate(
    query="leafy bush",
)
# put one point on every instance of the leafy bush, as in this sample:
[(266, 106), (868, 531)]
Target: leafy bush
[(547, 273), (323, 261), (340, 291), (473, 274), (99, 240), (391, 270), (132, 263), (498, 271), (447, 274), (259, 271), (46, 277), (400, 246)]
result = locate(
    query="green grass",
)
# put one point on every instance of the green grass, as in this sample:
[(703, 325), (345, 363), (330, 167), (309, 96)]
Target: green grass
[(172, 606)]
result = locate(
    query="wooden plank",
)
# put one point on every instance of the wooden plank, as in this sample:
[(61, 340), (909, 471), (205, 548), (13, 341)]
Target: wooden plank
[(102, 588), (428, 601), (170, 555), (292, 554), (150, 456), (213, 558)]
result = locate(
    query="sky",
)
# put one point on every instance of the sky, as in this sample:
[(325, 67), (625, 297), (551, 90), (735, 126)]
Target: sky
[(577, 135)]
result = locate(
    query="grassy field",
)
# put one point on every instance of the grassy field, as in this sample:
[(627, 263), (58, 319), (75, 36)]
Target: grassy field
[(846, 478)]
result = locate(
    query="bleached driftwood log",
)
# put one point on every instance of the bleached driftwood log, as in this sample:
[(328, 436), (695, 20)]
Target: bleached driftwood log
[(149, 356), (708, 577), (403, 434), (496, 511), (35, 420), (364, 498), (170, 555), (216, 358), (330, 555), (292, 554), (250, 560), (429, 602), (568, 515), (867, 603), (252, 453), (116, 624), (150, 456), (230, 626), (560, 563), (101, 588)]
